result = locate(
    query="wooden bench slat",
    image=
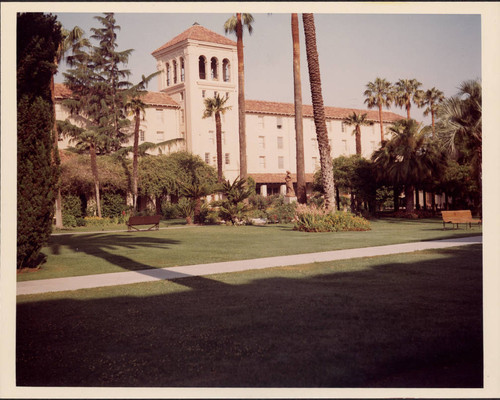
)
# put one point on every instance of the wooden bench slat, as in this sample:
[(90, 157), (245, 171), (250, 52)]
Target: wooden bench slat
[(459, 217)]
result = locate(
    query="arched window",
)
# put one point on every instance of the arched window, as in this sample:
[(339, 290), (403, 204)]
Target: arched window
[(182, 69), (174, 63), (168, 74), (225, 70), (213, 68), (202, 64)]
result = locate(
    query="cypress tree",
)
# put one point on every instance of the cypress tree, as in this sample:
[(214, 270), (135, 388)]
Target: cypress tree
[(38, 36)]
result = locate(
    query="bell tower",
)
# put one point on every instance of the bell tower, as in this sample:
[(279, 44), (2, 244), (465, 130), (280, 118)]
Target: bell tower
[(195, 65)]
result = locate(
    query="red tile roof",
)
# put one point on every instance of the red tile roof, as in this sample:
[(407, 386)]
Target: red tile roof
[(150, 98), (200, 33), (277, 178), (288, 109)]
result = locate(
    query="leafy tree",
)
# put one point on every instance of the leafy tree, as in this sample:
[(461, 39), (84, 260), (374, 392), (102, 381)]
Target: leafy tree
[(38, 37), (357, 120), (98, 98), (319, 111), (379, 94), (406, 91), (217, 106), (72, 39), (236, 24), (299, 126), (432, 98), (407, 159), (233, 206)]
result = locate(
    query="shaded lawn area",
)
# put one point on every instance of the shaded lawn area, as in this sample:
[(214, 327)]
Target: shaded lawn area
[(95, 253), (410, 321)]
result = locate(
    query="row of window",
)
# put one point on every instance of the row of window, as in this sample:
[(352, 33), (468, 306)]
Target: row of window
[(214, 69), (171, 72), (213, 159)]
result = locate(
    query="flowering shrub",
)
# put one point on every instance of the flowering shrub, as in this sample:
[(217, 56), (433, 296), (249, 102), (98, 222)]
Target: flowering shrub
[(314, 219)]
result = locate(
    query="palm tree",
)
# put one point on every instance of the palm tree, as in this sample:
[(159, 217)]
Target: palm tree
[(357, 120), (236, 24), (72, 39), (299, 128), (319, 112), (406, 91), (408, 158), (379, 94), (216, 106), (460, 125), (432, 98)]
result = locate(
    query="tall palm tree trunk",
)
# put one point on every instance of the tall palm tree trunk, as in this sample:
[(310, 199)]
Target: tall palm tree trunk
[(135, 158), (358, 140), (299, 128), (433, 123), (409, 201), (381, 123), (93, 165), (319, 112), (56, 160), (218, 134), (241, 98)]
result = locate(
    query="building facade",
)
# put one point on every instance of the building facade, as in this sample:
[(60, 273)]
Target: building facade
[(198, 64)]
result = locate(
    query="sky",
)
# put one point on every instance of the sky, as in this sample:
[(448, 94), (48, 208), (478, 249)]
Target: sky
[(439, 50)]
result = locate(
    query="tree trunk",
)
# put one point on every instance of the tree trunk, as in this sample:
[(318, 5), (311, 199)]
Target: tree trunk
[(337, 196), (381, 123), (410, 204), (433, 123), (319, 112), (408, 105), (56, 159), (218, 135), (135, 158), (299, 130), (241, 98), (93, 165), (358, 140)]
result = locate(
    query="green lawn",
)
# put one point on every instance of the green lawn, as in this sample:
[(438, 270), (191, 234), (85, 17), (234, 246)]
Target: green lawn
[(410, 320), (95, 253)]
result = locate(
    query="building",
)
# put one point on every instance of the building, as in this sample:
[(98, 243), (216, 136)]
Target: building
[(198, 64)]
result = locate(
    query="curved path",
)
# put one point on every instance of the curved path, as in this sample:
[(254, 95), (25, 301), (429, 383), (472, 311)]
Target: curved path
[(170, 273)]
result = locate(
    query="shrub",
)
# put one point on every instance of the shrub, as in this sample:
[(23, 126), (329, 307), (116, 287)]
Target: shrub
[(314, 219), (281, 212), (113, 205), (69, 220), (185, 209), (169, 210), (71, 210)]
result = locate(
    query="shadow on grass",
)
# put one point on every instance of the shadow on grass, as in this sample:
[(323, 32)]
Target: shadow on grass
[(107, 247), (377, 325)]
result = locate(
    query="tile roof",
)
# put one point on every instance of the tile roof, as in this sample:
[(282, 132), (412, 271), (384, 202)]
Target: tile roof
[(277, 178), (288, 109), (150, 98), (197, 32)]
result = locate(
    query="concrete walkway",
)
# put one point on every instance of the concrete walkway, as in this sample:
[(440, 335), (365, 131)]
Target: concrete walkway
[(171, 273)]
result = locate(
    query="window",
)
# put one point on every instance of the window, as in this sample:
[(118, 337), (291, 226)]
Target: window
[(344, 146), (160, 135), (203, 92), (182, 95), (227, 158), (262, 162), (175, 71), (141, 135), (279, 122), (281, 162), (223, 135), (225, 70), (262, 142), (342, 126), (215, 94), (159, 115), (168, 74), (207, 158), (202, 61), (280, 142), (182, 117), (227, 95), (314, 144), (213, 68), (260, 122), (211, 137), (182, 69)]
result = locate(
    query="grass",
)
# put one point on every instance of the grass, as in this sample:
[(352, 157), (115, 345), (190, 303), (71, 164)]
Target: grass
[(410, 320), (94, 253)]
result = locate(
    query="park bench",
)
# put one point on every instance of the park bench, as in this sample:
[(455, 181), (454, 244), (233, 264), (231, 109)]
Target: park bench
[(459, 217), (153, 220)]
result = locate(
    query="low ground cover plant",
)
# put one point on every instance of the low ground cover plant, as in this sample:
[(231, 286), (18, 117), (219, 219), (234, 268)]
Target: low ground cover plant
[(315, 219)]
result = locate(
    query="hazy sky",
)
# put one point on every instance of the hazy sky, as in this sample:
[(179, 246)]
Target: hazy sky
[(439, 50)]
